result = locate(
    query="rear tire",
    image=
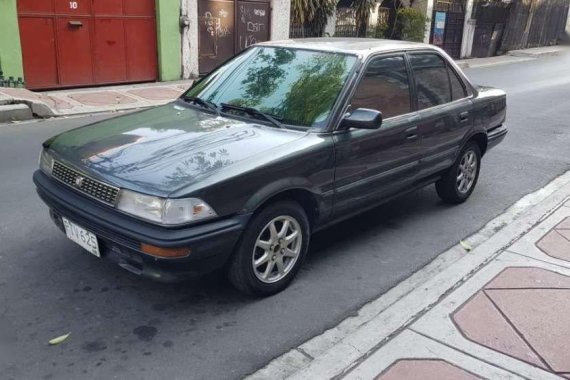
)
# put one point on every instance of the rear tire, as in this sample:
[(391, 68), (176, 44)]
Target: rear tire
[(271, 249), (459, 181)]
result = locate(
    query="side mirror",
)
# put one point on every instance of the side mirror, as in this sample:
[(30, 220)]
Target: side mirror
[(362, 118)]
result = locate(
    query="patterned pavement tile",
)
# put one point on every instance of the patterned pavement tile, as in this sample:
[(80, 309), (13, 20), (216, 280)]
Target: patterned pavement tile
[(425, 369), (157, 93), (556, 243), (528, 277), (414, 356), (480, 322), (101, 98), (523, 313)]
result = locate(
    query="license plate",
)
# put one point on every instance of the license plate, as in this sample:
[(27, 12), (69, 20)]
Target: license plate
[(82, 237)]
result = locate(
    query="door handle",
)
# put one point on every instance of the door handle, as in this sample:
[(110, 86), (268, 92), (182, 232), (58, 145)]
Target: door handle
[(464, 116), (75, 23), (411, 133)]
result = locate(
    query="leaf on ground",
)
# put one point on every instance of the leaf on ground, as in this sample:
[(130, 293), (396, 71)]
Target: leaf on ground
[(465, 246), (59, 339)]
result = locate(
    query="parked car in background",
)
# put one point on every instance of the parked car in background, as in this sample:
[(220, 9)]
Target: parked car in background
[(281, 141)]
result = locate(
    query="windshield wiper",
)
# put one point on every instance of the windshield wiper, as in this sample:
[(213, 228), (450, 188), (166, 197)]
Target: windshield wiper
[(254, 112), (204, 103)]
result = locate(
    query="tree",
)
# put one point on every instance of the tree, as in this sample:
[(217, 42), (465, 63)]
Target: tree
[(410, 25), (362, 9), (312, 14)]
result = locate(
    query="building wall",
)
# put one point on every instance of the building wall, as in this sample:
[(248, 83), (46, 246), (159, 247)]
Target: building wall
[(10, 49), (168, 39), (280, 19), (279, 24)]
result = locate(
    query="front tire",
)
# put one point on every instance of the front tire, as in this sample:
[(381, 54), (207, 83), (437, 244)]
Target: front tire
[(271, 250), (459, 181)]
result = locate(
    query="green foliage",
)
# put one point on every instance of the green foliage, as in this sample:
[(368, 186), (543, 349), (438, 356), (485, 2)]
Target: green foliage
[(264, 75), (381, 30), (312, 95), (313, 13), (410, 24)]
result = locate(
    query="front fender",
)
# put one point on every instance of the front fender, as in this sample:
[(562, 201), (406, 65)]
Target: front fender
[(278, 187)]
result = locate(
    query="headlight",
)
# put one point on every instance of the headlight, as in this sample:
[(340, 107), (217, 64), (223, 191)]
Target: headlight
[(45, 162), (162, 210)]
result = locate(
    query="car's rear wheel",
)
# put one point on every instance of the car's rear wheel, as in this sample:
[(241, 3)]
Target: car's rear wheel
[(459, 181), (271, 250)]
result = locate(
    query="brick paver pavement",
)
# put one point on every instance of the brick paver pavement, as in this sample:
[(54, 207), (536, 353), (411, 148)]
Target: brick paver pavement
[(427, 369), (556, 243), (522, 313)]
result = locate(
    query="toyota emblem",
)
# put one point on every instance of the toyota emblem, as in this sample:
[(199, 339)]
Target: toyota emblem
[(79, 181)]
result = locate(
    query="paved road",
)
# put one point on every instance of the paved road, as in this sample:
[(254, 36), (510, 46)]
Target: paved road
[(125, 327)]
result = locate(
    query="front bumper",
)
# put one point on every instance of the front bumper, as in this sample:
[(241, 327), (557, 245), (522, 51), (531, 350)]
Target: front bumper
[(496, 135), (120, 236)]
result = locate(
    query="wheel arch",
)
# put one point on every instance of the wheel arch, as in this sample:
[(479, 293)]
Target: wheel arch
[(297, 190), (481, 140)]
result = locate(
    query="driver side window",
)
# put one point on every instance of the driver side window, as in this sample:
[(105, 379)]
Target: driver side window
[(384, 87)]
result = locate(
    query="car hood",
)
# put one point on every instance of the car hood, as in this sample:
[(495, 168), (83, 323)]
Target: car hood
[(163, 149)]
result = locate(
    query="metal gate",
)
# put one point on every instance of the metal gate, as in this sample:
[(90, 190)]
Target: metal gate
[(85, 42), (226, 27), (491, 19), (534, 23), (447, 26)]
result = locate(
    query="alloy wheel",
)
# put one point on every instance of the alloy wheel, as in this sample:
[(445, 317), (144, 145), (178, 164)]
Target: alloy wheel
[(277, 249), (467, 172)]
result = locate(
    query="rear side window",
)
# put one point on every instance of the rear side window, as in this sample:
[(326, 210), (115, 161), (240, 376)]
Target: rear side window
[(436, 82), (432, 81), (384, 87), (457, 87)]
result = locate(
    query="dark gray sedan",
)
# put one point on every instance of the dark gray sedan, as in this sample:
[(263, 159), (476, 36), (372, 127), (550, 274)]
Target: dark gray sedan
[(283, 140)]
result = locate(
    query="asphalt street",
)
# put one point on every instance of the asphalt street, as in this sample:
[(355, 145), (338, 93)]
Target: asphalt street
[(125, 327)]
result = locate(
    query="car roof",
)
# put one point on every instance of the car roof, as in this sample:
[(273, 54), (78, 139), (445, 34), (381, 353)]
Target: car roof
[(359, 46)]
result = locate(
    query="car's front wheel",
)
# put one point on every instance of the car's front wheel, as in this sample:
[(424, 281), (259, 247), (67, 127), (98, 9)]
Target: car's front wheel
[(459, 181), (271, 249)]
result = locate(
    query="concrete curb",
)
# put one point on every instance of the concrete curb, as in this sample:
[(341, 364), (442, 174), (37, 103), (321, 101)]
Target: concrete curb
[(30, 99), (538, 52), (15, 112), (339, 349), (514, 56)]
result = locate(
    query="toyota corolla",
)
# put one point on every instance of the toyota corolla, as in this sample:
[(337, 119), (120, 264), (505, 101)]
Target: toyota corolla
[(281, 141)]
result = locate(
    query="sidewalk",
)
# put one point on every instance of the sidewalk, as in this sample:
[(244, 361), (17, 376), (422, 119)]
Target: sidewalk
[(95, 99), (499, 311), (117, 98)]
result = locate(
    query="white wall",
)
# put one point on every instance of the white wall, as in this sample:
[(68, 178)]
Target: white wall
[(429, 15), (280, 15), (468, 31), (189, 8)]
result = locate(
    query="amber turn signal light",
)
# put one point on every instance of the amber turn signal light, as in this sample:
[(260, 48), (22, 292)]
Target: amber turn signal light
[(165, 252)]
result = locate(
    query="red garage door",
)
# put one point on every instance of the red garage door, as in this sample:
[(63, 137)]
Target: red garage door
[(86, 42)]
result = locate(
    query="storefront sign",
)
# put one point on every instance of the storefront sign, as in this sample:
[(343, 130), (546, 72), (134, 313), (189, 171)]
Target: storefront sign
[(439, 28)]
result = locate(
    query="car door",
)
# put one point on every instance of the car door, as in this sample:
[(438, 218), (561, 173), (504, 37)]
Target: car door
[(372, 164), (444, 110)]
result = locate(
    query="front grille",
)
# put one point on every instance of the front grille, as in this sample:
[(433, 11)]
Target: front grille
[(95, 189)]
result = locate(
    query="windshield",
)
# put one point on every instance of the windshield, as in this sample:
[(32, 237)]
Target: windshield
[(295, 86)]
